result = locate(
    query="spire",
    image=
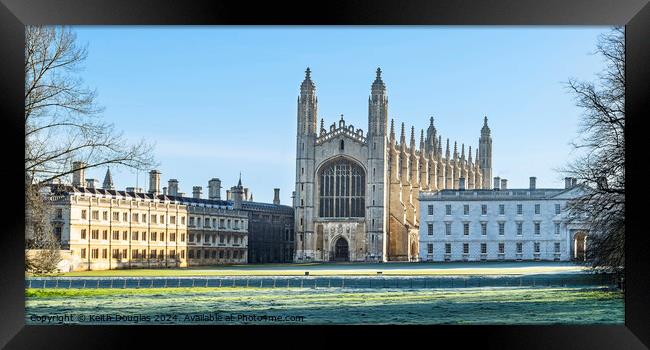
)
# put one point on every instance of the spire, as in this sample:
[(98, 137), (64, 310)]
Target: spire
[(477, 159), (307, 84), (108, 180), (322, 124), (455, 150), (378, 85), (402, 138), (412, 144), (439, 150), (469, 153), (485, 130), (422, 141), (462, 152), (239, 183), (392, 130)]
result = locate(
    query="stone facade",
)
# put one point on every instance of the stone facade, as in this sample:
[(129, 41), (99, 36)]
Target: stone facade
[(356, 194), (109, 229), (499, 224)]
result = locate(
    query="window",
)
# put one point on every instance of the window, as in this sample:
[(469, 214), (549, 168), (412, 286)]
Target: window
[(144, 236), (125, 235), (519, 228), (429, 248), (104, 253), (95, 214), (342, 189), (465, 248), (502, 248), (430, 209), (520, 209), (125, 217), (172, 220), (116, 216), (83, 233), (502, 228), (557, 228), (466, 209), (191, 221), (430, 229), (135, 217), (83, 253), (94, 253), (182, 254), (59, 213), (447, 228), (134, 235), (83, 213), (190, 254), (105, 216), (144, 217), (206, 239), (537, 229), (154, 219), (198, 238), (483, 228), (222, 223), (162, 236), (466, 228), (206, 223), (94, 234), (537, 208), (116, 235), (520, 247), (154, 236), (221, 238), (172, 237), (153, 253), (483, 209), (105, 234), (483, 248), (162, 219), (182, 220), (447, 248), (182, 237), (536, 247), (221, 254), (558, 208), (557, 247), (448, 209), (502, 209)]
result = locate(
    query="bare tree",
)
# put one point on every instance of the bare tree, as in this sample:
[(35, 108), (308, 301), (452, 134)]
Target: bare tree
[(601, 165), (63, 124), (62, 119)]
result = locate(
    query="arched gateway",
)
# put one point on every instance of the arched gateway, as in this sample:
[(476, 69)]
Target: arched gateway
[(341, 250)]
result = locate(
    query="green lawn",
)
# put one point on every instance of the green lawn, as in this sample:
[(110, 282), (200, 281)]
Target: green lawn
[(335, 305), (354, 269)]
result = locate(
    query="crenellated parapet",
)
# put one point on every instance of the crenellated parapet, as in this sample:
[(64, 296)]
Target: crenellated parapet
[(340, 129), (426, 167)]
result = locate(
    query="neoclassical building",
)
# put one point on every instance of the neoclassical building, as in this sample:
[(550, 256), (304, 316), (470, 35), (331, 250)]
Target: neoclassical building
[(356, 196)]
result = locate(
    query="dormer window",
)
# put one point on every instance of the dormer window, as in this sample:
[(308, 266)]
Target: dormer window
[(342, 145)]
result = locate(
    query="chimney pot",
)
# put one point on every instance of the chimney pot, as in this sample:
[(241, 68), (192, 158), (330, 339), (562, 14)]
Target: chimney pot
[(276, 196), (504, 184), (497, 183), (533, 184)]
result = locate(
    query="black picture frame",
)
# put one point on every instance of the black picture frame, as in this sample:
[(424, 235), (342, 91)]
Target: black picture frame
[(15, 14)]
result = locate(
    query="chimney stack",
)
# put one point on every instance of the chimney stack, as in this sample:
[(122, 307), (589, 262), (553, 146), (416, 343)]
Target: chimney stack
[(196, 191), (165, 191), (533, 184), (276, 196), (461, 183), (78, 178), (92, 183), (214, 189), (504, 184), (172, 187), (567, 182), (574, 182), (154, 182), (246, 194), (497, 182)]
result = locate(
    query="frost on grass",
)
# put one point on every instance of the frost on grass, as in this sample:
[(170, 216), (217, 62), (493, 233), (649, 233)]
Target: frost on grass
[(345, 306)]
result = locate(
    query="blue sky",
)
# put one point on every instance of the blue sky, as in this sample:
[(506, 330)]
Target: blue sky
[(218, 101)]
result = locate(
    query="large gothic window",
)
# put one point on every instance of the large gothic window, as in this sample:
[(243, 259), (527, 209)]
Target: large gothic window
[(342, 190)]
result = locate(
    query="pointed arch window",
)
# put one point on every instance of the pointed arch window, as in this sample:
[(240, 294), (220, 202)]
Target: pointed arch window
[(341, 189)]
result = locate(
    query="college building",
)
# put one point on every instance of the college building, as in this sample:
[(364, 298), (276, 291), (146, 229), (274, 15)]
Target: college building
[(500, 224)]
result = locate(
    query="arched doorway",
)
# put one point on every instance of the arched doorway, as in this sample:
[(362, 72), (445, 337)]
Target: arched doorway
[(414, 251), (580, 246), (341, 250)]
